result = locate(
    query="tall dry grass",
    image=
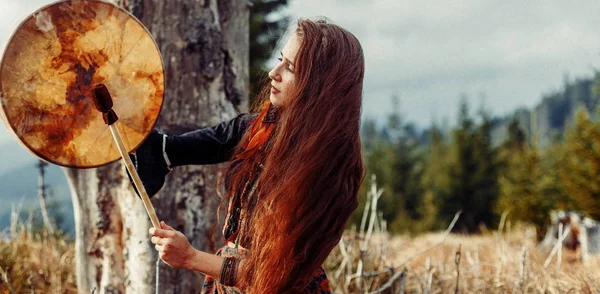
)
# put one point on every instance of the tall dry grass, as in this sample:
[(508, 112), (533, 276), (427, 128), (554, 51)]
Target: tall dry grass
[(496, 262), (369, 260), (33, 261), (509, 262)]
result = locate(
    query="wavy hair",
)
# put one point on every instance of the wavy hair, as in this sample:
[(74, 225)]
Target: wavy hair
[(312, 168)]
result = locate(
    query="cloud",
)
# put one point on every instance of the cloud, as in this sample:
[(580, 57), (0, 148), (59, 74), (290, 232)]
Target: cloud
[(430, 52)]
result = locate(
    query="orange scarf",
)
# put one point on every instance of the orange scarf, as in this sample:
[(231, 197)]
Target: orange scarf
[(260, 131)]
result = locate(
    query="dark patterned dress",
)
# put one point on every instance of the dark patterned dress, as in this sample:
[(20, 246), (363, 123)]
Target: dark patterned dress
[(319, 283)]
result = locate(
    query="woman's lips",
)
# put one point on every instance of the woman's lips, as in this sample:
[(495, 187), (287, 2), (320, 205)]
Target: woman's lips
[(274, 90)]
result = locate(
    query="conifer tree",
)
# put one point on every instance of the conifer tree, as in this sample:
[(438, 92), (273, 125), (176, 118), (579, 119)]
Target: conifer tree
[(435, 182), (380, 163), (393, 155), (485, 179), (525, 185), (378, 156), (581, 168), (473, 174)]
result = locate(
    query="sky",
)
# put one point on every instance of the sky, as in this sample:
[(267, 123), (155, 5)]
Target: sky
[(500, 54)]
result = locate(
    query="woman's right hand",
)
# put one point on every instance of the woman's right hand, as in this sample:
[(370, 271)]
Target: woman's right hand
[(173, 246)]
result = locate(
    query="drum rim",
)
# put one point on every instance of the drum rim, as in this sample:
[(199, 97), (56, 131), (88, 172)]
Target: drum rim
[(11, 128)]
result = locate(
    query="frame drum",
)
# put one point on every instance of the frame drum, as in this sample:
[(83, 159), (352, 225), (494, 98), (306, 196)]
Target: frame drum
[(52, 63)]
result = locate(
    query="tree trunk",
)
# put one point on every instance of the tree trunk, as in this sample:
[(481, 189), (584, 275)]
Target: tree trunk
[(204, 45)]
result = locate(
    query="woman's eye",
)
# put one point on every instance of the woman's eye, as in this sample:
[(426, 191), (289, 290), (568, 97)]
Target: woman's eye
[(287, 64)]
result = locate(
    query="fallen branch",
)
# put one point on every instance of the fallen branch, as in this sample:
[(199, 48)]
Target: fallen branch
[(446, 234), (390, 282), (363, 221), (502, 221), (403, 280), (457, 262), (428, 276), (594, 284), (5, 279), (522, 270), (561, 233), (375, 195), (345, 259), (555, 249)]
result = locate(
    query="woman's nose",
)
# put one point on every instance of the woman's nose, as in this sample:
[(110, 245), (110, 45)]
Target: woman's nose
[(274, 74)]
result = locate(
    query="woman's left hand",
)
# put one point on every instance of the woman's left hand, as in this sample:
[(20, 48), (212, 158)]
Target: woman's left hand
[(172, 246)]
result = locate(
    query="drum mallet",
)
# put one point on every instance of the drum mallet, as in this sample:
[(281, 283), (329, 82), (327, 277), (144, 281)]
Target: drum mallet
[(104, 104)]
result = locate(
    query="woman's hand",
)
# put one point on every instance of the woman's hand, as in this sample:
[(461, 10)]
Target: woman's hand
[(175, 250), (172, 246)]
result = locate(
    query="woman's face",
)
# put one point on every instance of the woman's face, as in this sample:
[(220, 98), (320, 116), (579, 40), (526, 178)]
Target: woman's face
[(282, 75)]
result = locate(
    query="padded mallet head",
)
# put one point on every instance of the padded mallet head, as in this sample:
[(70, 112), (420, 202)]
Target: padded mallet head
[(104, 104), (102, 98)]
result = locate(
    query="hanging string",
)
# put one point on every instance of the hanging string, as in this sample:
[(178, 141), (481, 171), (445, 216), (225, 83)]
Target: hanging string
[(157, 289)]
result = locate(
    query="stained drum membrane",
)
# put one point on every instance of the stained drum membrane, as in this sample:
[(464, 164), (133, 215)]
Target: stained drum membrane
[(50, 66)]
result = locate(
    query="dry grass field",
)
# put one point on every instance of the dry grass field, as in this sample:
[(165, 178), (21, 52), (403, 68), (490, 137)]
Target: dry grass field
[(487, 263), (35, 262)]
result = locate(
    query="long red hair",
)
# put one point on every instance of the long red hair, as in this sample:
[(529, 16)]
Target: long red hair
[(311, 165)]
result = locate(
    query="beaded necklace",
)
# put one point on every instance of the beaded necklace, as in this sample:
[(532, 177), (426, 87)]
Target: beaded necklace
[(242, 202)]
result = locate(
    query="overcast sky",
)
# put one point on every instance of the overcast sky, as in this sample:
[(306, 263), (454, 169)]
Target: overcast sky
[(429, 53)]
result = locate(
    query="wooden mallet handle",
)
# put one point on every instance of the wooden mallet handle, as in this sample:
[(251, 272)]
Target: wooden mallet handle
[(104, 104)]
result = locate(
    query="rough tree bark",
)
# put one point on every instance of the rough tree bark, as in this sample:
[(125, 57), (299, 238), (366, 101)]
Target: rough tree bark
[(204, 45)]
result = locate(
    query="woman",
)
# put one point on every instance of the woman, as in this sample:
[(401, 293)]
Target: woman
[(294, 172)]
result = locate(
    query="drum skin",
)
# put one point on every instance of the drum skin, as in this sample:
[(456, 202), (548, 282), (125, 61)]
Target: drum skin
[(52, 63)]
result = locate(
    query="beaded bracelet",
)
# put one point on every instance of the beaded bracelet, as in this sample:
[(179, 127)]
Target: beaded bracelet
[(228, 271)]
